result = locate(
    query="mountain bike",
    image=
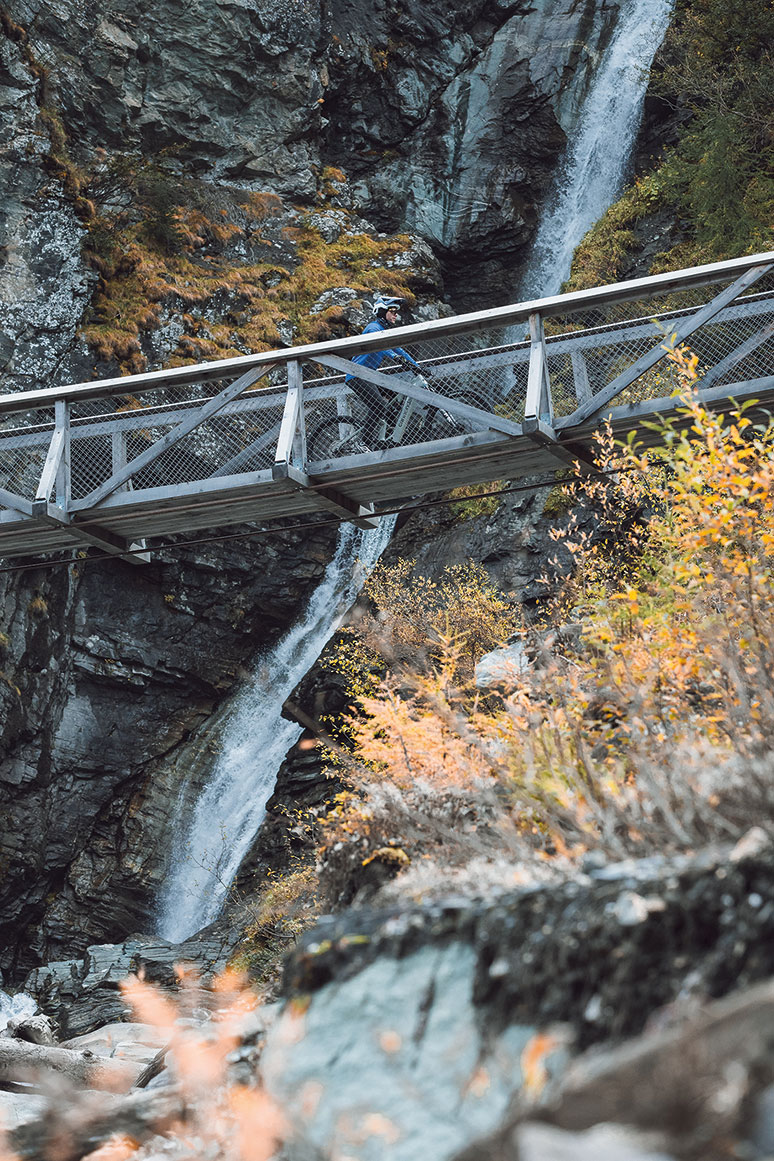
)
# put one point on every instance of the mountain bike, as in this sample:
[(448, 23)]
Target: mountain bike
[(408, 422)]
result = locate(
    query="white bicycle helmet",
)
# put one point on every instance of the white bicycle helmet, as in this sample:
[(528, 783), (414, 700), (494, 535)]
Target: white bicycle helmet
[(383, 304)]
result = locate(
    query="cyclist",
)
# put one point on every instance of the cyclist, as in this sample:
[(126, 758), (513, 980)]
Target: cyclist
[(385, 312)]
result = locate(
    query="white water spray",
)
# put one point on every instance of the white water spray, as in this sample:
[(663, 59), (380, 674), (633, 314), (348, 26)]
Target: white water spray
[(592, 173), (256, 739)]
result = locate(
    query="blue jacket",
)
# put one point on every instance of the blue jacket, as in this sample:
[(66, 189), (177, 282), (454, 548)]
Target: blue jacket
[(374, 359)]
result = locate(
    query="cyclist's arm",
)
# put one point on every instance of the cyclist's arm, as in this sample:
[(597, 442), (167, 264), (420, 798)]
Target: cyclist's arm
[(404, 356)]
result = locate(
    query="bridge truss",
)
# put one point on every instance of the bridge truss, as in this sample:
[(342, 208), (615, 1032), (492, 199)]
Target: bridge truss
[(510, 392)]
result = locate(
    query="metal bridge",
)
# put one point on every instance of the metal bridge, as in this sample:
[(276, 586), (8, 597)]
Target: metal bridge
[(503, 394)]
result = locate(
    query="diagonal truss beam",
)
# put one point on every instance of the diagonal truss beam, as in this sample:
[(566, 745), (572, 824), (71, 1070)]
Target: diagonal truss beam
[(648, 360), (400, 386), (15, 503), (192, 421)]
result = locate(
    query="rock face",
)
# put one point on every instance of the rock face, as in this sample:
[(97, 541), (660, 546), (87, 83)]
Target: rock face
[(44, 286), (425, 1021), (109, 671), (447, 117), (450, 119)]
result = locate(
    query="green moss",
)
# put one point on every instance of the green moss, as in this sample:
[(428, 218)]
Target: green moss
[(611, 243), (470, 503)]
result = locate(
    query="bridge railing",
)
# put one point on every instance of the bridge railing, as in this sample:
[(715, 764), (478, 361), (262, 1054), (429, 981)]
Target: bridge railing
[(537, 369), (570, 359)]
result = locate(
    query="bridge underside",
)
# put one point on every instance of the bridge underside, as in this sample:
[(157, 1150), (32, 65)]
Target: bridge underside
[(507, 394)]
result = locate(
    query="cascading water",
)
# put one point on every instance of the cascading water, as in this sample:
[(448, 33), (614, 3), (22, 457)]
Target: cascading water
[(231, 808), (593, 171)]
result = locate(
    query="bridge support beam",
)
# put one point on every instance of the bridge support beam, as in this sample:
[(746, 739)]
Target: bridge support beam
[(330, 498), (93, 535)]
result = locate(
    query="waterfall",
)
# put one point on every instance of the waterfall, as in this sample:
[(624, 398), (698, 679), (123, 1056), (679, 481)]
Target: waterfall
[(593, 171), (231, 808)]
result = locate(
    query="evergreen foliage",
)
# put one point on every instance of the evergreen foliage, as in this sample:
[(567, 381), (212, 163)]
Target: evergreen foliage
[(716, 71)]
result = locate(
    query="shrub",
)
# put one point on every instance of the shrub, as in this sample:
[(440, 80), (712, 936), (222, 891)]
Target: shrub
[(652, 733), (414, 615)]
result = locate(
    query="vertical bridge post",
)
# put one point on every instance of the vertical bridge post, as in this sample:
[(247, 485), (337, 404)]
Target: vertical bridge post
[(291, 445), (63, 492), (290, 460), (55, 477), (538, 409)]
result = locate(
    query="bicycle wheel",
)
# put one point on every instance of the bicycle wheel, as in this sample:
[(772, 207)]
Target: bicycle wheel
[(338, 435)]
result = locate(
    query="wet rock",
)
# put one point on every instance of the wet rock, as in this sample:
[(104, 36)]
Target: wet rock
[(407, 1061), (83, 994)]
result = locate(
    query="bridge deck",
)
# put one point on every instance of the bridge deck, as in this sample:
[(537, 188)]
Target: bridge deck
[(508, 393)]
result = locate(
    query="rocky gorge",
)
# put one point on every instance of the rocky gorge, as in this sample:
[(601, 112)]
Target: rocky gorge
[(95, 290), (195, 181)]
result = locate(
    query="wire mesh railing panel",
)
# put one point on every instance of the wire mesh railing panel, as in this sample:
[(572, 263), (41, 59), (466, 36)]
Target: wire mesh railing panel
[(604, 343), (25, 438), (108, 431), (351, 414), (486, 368), (108, 435), (174, 397), (735, 345), (229, 443), (91, 459)]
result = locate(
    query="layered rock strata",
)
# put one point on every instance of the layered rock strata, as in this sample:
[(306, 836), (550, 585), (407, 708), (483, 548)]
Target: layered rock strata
[(109, 671)]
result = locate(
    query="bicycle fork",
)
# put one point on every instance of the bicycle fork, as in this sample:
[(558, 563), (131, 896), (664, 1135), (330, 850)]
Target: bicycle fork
[(408, 407)]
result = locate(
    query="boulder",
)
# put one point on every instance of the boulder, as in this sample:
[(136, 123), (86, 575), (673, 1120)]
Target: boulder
[(37, 1029), (19, 1108), (442, 1026), (84, 995), (134, 1042)]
